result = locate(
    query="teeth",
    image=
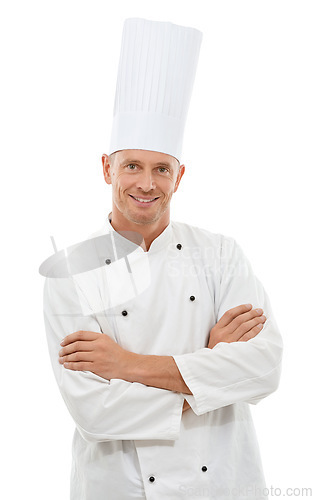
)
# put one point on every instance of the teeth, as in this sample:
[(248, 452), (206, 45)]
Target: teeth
[(143, 201)]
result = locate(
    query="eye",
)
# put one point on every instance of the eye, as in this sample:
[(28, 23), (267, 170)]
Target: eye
[(163, 170), (131, 166)]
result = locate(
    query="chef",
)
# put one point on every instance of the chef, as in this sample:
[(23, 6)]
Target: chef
[(162, 339)]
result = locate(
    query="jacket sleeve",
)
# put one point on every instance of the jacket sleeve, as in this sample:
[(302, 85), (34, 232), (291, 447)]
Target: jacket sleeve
[(239, 371), (103, 410)]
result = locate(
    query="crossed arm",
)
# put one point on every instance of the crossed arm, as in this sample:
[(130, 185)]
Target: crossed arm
[(99, 354)]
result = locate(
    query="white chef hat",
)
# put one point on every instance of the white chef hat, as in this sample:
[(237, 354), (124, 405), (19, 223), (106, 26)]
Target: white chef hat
[(157, 67)]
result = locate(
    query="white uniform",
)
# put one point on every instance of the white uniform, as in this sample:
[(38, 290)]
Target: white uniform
[(132, 441)]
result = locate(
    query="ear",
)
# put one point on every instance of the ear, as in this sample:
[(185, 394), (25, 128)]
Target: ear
[(179, 176), (106, 169)]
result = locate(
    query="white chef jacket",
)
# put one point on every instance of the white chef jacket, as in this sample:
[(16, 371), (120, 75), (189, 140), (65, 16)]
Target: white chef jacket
[(132, 441)]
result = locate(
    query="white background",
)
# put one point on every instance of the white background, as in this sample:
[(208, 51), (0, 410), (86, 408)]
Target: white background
[(248, 156)]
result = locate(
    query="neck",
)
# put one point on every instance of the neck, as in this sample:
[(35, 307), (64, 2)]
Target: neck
[(148, 232)]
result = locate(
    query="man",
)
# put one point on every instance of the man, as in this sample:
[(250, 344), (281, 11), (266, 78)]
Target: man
[(159, 351)]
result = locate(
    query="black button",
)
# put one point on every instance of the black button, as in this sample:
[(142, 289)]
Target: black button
[(179, 246), (204, 468), (151, 479), (124, 313), (108, 261), (192, 298)]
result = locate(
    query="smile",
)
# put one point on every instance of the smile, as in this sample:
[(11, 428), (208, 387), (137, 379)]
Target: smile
[(146, 201)]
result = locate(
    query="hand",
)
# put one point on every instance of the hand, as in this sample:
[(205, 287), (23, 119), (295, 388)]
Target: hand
[(94, 352), (98, 353), (239, 324)]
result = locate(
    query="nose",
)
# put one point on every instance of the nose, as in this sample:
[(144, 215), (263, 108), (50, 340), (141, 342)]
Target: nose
[(145, 181)]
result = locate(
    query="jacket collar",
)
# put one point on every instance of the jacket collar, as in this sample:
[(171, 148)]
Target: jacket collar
[(159, 243)]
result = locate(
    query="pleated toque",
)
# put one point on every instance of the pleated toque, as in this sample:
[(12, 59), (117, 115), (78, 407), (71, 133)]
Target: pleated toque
[(156, 72)]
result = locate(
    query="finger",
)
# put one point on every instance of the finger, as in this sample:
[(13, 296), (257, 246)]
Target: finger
[(75, 357), (79, 335), (81, 366), (246, 327), (252, 333), (254, 314), (79, 345), (233, 313)]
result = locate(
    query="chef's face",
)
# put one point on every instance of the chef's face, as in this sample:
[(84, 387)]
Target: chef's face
[(143, 183)]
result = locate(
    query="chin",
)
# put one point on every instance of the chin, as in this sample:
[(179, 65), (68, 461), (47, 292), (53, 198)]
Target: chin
[(143, 220)]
